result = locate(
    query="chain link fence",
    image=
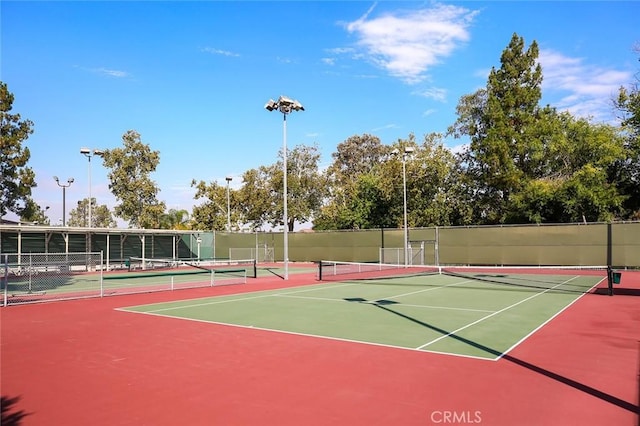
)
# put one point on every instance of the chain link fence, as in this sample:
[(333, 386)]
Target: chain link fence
[(31, 277)]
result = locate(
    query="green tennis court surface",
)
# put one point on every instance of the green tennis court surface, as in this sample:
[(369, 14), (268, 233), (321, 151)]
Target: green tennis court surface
[(437, 313)]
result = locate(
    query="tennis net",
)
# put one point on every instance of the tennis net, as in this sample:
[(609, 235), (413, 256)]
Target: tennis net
[(581, 279), (219, 266)]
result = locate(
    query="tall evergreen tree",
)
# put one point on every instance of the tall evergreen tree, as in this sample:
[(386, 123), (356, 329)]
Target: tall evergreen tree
[(16, 178)]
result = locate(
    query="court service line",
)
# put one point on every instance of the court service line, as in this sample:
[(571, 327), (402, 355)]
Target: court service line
[(328, 299), (495, 313), (428, 289), (239, 299)]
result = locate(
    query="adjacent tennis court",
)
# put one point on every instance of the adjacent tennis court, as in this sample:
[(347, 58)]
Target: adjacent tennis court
[(481, 313)]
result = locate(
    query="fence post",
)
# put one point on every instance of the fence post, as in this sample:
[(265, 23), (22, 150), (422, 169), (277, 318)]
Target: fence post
[(5, 280)]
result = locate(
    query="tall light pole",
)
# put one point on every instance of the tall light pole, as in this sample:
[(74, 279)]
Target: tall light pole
[(89, 153), (64, 197), (285, 106), (408, 150), (228, 179)]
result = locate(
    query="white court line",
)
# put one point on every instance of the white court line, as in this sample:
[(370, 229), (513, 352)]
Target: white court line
[(317, 336), (328, 299), (495, 313), (547, 321), (239, 299), (428, 289)]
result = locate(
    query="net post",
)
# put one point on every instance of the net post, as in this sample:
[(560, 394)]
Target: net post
[(609, 259), (5, 280), (609, 280), (101, 273), (320, 270), (255, 268)]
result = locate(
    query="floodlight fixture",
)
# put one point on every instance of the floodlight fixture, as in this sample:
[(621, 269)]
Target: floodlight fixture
[(64, 197), (286, 106), (90, 153)]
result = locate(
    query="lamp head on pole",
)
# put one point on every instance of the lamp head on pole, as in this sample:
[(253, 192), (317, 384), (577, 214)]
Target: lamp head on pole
[(284, 104)]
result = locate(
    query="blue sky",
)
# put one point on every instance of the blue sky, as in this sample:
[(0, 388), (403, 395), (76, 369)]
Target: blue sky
[(193, 77)]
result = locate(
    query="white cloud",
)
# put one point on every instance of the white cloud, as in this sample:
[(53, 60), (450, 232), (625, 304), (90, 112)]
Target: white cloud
[(408, 44), (220, 52), (107, 72), (583, 89), (434, 93)]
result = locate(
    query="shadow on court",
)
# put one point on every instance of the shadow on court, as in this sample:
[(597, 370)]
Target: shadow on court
[(10, 415), (384, 305)]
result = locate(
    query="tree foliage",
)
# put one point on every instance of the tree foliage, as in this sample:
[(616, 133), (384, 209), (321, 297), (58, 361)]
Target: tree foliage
[(16, 178), (627, 170), (131, 184), (175, 219), (211, 214), (374, 198), (527, 163), (34, 213), (101, 216)]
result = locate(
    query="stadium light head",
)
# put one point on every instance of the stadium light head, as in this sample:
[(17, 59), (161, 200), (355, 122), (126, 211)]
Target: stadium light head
[(228, 178), (284, 104), (98, 152), (408, 149), (70, 180), (271, 105), (85, 151), (56, 179)]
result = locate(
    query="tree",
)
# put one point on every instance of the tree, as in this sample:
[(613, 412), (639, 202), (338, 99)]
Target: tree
[(33, 213), (355, 156), (175, 219), (627, 170), (131, 184), (16, 179), (101, 216), (501, 121), (212, 213), (355, 196), (305, 186), (527, 163), (261, 197)]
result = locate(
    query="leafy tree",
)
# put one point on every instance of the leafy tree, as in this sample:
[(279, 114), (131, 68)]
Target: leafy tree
[(212, 213), (32, 212), (260, 199), (101, 216), (375, 197), (16, 179), (131, 183), (175, 219), (305, 186), (435, 191), (355, 156), (257, 198), (356, 197), (627, 170), (527, 163)]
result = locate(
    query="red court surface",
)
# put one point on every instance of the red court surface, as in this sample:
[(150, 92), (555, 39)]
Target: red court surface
[(83, 362)]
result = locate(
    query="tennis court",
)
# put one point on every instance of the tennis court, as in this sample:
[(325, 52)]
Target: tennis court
[(344, 351), (480, 313)]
